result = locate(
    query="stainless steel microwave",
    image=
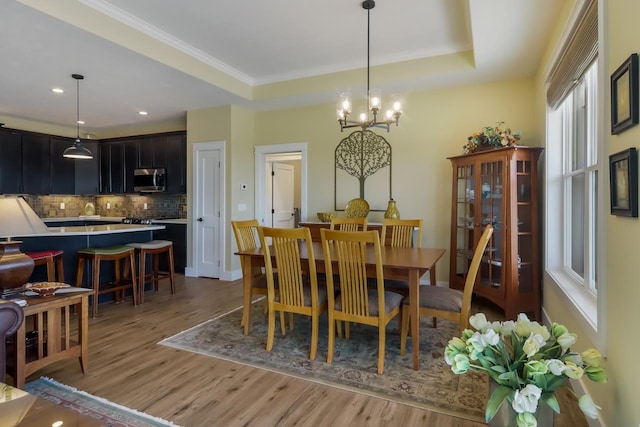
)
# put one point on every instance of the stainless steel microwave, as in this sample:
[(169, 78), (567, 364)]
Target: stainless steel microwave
[(149, 180)]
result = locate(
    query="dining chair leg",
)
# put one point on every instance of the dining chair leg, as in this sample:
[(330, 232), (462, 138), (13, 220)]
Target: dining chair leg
[(283, 324), (314, 335), (271, 330), (382, 336), (404, 330), (331, 338)]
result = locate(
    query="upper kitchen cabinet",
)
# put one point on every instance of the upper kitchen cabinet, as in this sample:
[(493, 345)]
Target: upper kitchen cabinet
[(62, 170), (36, 164), (130, 149), (152, 151), (164, 150), (177, 164), (87, 171), (10, 162), (111, 167)]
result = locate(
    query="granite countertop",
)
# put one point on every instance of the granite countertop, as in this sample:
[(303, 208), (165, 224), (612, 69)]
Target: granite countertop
[(95, 230)]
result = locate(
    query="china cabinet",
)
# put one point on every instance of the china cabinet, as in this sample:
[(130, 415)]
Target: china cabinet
[(498, 187)]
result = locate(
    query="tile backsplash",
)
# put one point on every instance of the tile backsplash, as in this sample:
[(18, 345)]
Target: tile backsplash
[(157, 205)]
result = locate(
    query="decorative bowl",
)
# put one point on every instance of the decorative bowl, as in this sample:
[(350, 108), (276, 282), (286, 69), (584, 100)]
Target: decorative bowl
[(357, 208), (45, 289), (326, 216)]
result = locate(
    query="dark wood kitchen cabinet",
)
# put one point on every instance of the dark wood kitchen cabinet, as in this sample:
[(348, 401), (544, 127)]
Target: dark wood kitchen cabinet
[(130, 148), (10, 162), (111, 167), (152, 151), (165, 150), (87, 173), (35, 164), (62, 170), (177, 164)]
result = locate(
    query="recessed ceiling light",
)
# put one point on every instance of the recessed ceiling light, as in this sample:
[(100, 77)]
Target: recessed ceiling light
[(80, 122), (142, 113), (57, 90)]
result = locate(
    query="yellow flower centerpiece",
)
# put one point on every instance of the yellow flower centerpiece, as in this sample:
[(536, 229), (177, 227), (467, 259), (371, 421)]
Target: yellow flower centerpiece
[(491, 137), (527, 362)]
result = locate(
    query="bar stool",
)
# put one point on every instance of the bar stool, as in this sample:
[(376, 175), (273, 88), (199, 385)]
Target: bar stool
[(52, 259), (155, 248), (117, 254)]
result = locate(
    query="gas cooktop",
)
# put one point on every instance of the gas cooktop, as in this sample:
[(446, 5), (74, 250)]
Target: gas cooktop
[(143, 221)]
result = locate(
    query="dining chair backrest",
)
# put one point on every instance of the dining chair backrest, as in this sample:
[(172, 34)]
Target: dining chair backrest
[(246, 233), (400, 232), (348, 224), (472, 274), (285, 248), (295, 290)]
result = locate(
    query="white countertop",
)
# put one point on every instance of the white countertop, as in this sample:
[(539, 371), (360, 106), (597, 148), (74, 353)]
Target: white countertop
[(95, 230), (112, 219)]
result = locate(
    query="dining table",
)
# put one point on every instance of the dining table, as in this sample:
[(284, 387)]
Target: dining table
[(399, 263)]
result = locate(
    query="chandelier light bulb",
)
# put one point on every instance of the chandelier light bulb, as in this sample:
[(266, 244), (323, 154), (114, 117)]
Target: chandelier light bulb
[(397, 106), (363, 117)]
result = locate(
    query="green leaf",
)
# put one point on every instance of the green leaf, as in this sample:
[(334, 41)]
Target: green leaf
[(498, 368), (495, 401), (550, 399)]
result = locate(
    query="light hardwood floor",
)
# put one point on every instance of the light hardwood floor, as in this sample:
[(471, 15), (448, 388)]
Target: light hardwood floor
[(128, 367)]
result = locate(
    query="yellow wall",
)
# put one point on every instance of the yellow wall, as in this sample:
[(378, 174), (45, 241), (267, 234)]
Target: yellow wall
[(623, 292), (435, 125), (618, 398)]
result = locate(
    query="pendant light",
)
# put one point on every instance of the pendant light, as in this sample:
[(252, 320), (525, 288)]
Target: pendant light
[(77, 150), (390, 116)]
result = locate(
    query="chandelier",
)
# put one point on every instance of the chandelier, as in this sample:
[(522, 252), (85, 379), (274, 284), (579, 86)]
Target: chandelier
[(375, 116)]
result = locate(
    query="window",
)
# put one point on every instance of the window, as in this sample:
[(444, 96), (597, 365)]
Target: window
[(573, 197), (575, 238)]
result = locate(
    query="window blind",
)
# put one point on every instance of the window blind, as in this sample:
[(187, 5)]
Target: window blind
[(579, 51)]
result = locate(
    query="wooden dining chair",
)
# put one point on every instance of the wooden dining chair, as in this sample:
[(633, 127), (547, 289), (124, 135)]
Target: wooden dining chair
[(348, 224), (295, 290), (246, 233), (356, 302), (399, 233), (447, 303)]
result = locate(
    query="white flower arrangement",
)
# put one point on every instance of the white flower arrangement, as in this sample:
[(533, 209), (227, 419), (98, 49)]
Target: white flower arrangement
[(527, 362)]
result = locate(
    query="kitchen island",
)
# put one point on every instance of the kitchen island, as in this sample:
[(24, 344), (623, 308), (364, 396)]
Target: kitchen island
[(71, 239)]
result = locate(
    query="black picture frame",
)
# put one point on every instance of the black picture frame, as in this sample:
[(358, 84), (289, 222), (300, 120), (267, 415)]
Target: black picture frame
[(624, 96), (623, 178)]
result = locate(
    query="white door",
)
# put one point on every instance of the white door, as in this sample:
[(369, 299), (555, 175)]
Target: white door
[(207, 186), (282, 176)]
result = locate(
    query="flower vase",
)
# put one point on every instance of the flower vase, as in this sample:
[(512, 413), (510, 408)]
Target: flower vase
[(506, 416), (392, 211)]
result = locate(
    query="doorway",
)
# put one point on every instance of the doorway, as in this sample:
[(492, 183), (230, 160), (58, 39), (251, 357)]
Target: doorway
[(208, 208), (281, 183)]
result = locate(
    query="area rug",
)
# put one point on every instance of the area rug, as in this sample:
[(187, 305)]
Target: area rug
[(433, 387), (109, 414)]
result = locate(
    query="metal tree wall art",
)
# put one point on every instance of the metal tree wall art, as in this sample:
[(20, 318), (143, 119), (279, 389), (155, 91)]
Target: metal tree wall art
[(361, 155)]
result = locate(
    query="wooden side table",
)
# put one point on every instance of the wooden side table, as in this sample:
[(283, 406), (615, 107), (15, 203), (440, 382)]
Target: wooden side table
[(57, 340)]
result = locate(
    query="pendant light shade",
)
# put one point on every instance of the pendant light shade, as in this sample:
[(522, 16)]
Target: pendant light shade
[(77, 150)]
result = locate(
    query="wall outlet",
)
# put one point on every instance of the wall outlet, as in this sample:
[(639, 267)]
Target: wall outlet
[(144, 206), (62, 205), (108, 205)]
